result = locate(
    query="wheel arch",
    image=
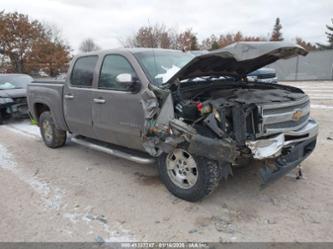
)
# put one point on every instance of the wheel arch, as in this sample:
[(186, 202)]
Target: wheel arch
[(39, 108)]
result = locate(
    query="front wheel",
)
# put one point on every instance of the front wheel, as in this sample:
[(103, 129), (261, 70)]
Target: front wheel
[(2, 115), (188, 177), (52, 136)]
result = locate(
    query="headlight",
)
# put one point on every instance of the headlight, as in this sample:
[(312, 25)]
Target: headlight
[(6, 100), (252, 78)]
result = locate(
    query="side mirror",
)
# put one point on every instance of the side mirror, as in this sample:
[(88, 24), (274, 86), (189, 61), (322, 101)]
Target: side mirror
[(131, 83), (124, 78)]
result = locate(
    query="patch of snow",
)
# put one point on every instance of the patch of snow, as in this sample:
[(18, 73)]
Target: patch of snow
[(51, 196), (169, 72), (317, 106), (24, 128), (115, 232)]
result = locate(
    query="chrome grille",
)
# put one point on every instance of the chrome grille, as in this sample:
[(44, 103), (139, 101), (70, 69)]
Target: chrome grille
[(282, 117)]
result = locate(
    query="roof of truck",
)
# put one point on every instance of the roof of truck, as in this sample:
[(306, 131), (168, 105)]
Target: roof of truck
[(129, 50)]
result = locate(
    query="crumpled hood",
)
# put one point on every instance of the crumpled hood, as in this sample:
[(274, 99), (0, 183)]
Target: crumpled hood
[(237, 59), (13, 93)]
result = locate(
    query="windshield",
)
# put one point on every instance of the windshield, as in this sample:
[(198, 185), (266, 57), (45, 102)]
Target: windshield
[(162, 65), (8, 81)]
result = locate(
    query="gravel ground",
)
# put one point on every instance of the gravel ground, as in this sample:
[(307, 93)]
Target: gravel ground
[(75, 194)]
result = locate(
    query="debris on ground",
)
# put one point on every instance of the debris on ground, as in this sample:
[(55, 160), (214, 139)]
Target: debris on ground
[(223, 225)]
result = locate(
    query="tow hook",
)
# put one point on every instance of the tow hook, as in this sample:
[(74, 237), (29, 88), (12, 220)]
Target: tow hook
[(299, 174)]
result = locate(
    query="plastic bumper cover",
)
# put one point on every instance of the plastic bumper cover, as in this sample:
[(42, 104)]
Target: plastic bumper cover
[(272, 147)]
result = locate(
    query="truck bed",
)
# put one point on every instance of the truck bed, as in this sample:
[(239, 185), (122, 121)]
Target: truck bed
[(50, 93)]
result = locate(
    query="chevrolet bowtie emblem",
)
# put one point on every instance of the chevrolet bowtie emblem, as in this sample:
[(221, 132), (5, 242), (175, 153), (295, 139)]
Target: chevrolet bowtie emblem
[(297, 115)]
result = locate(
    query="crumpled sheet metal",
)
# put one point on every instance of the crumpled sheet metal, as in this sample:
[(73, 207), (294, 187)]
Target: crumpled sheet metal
[(149, 103), (215, 149), (266, 148)]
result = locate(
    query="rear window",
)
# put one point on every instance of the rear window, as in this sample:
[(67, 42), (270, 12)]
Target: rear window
[(83, 71)]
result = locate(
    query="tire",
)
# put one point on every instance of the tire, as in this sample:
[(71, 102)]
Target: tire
[(2, 114), (52, 137), (208, 175)]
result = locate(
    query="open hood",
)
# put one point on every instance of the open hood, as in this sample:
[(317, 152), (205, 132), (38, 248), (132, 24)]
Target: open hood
[(237, 59)]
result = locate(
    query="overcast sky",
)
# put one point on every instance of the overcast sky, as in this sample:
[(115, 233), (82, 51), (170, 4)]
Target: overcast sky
[(109, 21)]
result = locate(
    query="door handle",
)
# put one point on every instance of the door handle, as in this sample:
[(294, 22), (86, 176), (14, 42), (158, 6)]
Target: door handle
[(69, 96), (99, 101)]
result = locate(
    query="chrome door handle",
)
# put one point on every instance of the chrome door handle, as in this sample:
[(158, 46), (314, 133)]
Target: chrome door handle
[(99, 101), (69, 96)]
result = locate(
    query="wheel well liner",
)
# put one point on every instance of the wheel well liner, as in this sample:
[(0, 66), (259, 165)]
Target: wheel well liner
[(39, 108)]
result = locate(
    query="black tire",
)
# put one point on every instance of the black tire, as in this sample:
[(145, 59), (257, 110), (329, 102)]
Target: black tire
[(55, 138), (209, 175), (2, 113)]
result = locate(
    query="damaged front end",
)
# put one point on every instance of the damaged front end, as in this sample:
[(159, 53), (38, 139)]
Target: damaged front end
[(13, 108), (164, 131), (209, 108), (283, 152)]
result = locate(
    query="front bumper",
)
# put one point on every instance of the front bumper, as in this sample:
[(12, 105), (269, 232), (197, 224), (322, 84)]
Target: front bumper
[(273, 146), (15, 108), (288, 161), (286, 151)]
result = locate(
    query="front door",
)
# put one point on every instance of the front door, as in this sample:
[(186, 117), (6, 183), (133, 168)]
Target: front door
[(78, 96), (117, 113)]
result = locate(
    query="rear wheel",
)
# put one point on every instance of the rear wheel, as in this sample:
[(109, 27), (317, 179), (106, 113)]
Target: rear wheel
[(52, 136), (2, 115), (187, 176)]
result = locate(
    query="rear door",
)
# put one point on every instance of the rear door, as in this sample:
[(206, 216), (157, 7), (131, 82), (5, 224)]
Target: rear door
[(117, 113), (78, 96)]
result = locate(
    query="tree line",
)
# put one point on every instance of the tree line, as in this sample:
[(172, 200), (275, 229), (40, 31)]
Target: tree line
[(29, 46), (159, 36)]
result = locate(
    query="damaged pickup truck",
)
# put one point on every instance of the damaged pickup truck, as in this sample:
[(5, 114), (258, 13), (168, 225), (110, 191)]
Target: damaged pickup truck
[(198, 117)]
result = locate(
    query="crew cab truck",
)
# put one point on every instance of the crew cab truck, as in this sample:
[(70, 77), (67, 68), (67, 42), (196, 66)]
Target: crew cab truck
[(196, 117)]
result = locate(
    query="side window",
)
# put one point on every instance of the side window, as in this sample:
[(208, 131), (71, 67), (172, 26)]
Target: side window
[(83, 71), (113, 65)]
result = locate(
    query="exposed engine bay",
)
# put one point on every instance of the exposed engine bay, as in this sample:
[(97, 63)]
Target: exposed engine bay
[(229, 109), (223, 121), (215, 112)]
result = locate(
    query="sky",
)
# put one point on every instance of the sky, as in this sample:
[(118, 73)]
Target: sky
[(108, 22)]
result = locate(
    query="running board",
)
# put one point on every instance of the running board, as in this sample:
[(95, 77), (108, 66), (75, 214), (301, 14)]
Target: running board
[(112, 151)]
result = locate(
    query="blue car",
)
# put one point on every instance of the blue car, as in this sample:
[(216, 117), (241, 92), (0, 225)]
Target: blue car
[(264, 75)]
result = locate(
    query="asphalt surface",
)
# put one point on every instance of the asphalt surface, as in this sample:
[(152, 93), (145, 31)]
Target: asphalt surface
[(76, 194)]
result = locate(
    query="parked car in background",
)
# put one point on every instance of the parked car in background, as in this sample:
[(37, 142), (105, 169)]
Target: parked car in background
[(265, 75), (13, 99)]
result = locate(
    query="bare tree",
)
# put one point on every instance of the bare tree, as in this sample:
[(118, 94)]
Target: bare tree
[(88, 45), (187, 40), (214, 42), (157, 36)]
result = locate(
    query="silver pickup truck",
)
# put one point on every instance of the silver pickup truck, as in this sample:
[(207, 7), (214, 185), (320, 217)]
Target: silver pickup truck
[(197, 117)]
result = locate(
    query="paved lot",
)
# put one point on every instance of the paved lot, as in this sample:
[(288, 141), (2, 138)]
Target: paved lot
[(75, 194)]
